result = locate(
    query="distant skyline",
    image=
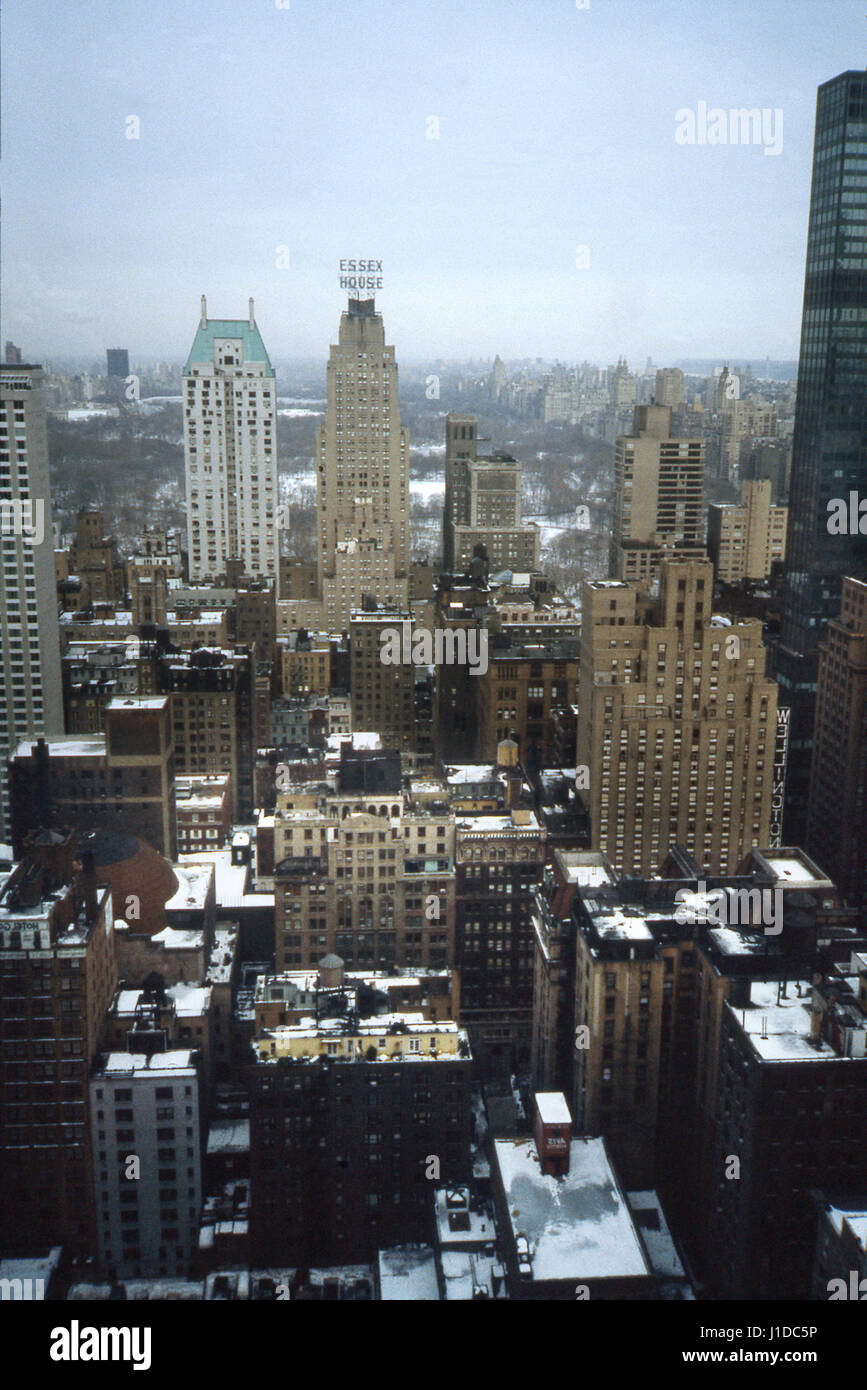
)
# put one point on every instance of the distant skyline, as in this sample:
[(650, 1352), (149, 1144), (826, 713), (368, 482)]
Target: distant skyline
[(266, 128)]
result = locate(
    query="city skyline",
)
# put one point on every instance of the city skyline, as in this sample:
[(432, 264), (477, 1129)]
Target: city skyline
[(207, 198)]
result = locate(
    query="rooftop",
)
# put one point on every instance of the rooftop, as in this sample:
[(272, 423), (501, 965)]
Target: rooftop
[(134, 1063), (577, 1226), (407, 1273)]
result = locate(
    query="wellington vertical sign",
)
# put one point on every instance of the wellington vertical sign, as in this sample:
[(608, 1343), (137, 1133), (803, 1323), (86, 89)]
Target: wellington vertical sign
[(778, 778)]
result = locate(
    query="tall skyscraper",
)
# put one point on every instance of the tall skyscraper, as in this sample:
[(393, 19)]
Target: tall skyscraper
[(483, 504), (837, 822), (676, 723), (117, 362), (658, 492), (230, 449), (362, 460), (829, 458), (31, 702)]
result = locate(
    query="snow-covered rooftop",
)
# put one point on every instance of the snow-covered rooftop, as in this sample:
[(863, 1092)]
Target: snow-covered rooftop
[(407, 1273), (578, 1226)]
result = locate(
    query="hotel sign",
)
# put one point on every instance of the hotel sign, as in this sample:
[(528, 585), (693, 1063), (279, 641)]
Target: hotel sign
[(361, 275), (778, 779)]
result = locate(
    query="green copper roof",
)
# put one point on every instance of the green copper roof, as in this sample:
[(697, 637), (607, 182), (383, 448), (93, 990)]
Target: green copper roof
[(203, 344)]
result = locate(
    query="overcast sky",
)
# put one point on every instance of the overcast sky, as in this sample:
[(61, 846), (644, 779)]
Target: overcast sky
[(308, 128)]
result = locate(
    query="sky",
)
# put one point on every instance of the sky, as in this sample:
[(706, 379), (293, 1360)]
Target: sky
[(513, 163)]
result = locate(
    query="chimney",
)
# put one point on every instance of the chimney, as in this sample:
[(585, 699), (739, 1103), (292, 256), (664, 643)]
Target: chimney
[(251, 319), (204, 319)]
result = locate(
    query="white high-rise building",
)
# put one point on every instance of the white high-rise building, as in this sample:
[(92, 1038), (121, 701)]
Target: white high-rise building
[(362, 458), (146, 1108), (230, 449), (31, 701)]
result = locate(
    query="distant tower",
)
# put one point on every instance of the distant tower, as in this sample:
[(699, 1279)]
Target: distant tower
[(362, 455), (483, 504), (230, 449), (117, 362), (13, 354), (658, 483), (30, 689)]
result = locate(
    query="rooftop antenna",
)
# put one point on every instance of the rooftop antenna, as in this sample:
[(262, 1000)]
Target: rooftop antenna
[(252, 321), (204, 318)]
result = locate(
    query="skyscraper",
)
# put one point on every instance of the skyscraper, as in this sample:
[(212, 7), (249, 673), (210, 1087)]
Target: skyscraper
[(483, 504), (362, 461), (117, 362), (230, 449), (837, 824), (30, 688), (676, 723), (830, 441), (658, 491)]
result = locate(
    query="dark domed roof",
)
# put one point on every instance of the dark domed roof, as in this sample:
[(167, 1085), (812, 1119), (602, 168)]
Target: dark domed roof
[(132, 869)]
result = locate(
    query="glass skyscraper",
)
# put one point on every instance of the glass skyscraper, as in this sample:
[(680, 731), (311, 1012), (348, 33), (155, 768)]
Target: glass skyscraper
[(829, 459)]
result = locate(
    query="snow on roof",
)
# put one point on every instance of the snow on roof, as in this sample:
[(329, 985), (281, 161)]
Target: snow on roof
[(470, 772), (614, 922), (578, 1226), (791, 870), (229, 1137), (580, 868), (194, 881), (178, 939), (191, 1001), (780, 1030), (648, 1216), (66, 746), (129, 1063), (139, 702), (553, 1109), (31, 1267), (407, 1273), (231, 879)]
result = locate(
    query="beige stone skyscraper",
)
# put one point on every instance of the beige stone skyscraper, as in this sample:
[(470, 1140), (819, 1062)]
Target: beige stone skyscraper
[(676, 723), (658, 493), (362, 463), (744, 539)]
